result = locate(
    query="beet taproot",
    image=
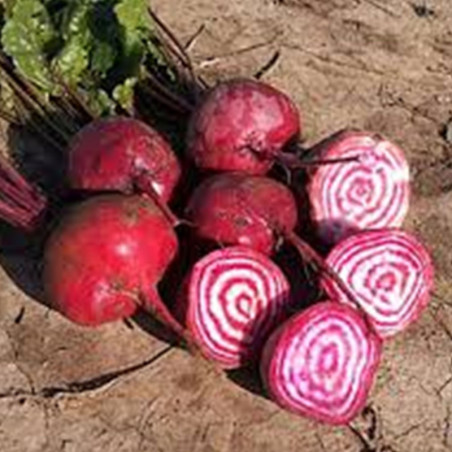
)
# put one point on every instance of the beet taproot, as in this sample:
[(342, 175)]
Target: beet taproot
[(238, 209), (106, 257), (242, 125), (125, 155)]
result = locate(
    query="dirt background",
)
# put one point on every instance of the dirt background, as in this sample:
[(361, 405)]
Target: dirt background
[(384, 65)]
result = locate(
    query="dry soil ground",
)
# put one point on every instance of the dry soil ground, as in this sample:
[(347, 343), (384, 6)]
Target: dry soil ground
[(384, 65)]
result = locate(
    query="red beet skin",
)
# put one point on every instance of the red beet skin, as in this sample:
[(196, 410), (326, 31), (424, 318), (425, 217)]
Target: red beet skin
[(122, 154), (369, 193), (238, 209), (233, 298), (106, 258), (321, 363), (389, 271), (242, 125)]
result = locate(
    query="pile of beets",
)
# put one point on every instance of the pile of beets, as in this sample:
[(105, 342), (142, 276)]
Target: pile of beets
[(222, 213)]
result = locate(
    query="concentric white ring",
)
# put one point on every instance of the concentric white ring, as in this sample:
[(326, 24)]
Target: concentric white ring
[(369, 193), (390, 273), (235, 296), (321, 363)]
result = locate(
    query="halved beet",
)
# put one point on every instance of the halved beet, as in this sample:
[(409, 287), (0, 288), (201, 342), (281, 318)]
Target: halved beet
[(368, 193), (233, 298), (321, 363), (390, 273)]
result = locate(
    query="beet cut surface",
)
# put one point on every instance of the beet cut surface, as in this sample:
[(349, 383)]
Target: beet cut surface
[(232, 300), (321, 363)]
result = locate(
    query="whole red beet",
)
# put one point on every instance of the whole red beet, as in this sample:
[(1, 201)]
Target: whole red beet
[(237, 209), (122, 154), (242, 125), (106, 257)]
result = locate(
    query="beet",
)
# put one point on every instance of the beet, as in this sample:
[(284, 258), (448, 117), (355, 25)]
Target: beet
[(369, 193), (241, 125), (254, 211), (106, 257), (232, 299), (122, 154), (237, 209), (321, 363), (390, 273)]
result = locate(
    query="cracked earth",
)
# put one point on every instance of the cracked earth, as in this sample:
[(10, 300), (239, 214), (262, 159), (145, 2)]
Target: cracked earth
[(384, 65)]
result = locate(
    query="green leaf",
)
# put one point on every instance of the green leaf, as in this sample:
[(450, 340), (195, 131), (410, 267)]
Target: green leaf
[(75, 20), (25, 38), (102, 57), (124, 93), (133, 15), (135, 22), (9, 5), (105, 41), (133, 54), (73, 59), (101, 103)]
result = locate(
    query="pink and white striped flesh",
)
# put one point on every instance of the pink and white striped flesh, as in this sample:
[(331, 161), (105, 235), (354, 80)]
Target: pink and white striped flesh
[(390, 273), (369, 193), (321, 363), (232, 300)]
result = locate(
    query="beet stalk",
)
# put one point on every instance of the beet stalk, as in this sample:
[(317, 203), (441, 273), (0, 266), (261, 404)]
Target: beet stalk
[(21, 204), (321, 363)]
